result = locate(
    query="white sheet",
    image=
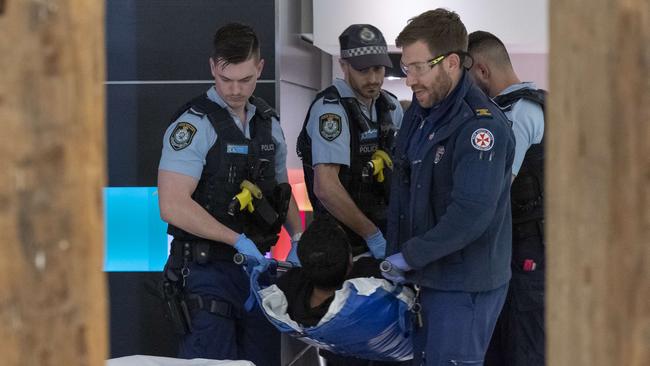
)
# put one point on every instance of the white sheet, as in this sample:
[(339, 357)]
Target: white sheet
[(139, 360)]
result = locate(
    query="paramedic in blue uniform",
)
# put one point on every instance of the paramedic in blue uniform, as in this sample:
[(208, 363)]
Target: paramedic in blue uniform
[(219, 139), (449, 224), (518, 338), (345, 126)]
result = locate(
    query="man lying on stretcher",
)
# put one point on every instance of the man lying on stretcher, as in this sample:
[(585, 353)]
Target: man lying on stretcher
[(324, 254), (335, 304)]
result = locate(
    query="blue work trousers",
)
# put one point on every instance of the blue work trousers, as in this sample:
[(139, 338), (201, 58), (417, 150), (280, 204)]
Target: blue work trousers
[(242, 336), (457, 326)]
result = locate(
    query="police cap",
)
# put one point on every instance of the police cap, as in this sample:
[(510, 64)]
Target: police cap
[(363, 46)]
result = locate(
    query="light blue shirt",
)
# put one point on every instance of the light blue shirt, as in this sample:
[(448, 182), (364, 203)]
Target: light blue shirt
[(191, 159), (527, 123), (337, 151)]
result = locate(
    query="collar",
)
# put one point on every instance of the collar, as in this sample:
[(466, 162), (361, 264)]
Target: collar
[(346, 91), (215, 97), (518, 86)]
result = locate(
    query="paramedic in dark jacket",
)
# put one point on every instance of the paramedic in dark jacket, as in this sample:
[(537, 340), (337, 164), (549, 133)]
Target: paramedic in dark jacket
[(449, 215)]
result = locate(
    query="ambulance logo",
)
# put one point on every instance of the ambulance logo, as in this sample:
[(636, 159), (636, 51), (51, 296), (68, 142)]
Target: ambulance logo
[(482, 139)]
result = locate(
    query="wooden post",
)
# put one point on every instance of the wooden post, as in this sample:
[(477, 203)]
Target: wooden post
[(598, 183), (52, 169)]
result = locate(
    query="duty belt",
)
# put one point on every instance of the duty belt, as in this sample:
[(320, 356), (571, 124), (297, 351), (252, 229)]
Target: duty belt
[(203, 251)]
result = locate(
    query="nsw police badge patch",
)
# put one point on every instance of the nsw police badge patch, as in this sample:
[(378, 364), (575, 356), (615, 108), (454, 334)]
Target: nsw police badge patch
[(182, 136), (330, 126)]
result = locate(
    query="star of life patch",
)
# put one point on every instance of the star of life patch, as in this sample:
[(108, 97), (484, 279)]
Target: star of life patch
[(182, 136), (483, 139), (330, 126)]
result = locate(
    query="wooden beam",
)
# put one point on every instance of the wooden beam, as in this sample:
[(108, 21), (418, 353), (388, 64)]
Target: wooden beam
[(52, 170), (598, 183)]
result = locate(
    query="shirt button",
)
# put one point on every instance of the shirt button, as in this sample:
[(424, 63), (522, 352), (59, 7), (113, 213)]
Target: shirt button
[(418, 186), (401, 217)]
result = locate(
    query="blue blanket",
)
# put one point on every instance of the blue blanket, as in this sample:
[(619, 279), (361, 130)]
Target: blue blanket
[(369, 318)]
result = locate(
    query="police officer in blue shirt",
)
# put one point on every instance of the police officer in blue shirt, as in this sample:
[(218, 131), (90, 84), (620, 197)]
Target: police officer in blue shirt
[(449, 217), (348, 126), (217, 141), (518, 338)]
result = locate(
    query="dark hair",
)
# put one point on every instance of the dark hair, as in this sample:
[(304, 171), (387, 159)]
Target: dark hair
[(440, 29), (324, 252), (234, 43), (487, 44)]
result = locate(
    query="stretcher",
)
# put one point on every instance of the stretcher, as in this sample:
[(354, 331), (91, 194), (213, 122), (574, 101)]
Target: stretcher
[(141, 360), (368, 318)]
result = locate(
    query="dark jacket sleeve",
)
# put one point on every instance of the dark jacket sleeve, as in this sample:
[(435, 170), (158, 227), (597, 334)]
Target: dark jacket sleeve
[(392, 226)]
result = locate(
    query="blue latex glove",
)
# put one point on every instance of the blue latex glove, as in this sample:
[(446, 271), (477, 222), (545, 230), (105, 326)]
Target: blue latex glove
[(293, 253), (377, 244), (247, 247), (398, 262)]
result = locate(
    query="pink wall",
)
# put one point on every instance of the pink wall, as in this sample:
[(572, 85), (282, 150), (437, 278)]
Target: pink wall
[(531, 67)]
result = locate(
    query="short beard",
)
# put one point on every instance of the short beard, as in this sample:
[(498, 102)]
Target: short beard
[(374, 95), (443, 83)]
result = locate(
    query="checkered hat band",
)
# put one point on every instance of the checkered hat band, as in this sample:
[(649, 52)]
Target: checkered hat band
[(362, 51)]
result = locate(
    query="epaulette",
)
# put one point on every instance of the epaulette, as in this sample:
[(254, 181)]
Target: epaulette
[(196, 112), (482, 113), (330, 95), (479, 105)]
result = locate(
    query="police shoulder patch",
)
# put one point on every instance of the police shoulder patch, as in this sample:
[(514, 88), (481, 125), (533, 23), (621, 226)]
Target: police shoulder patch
[(483, 139), (182, 135), (330, 126)]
